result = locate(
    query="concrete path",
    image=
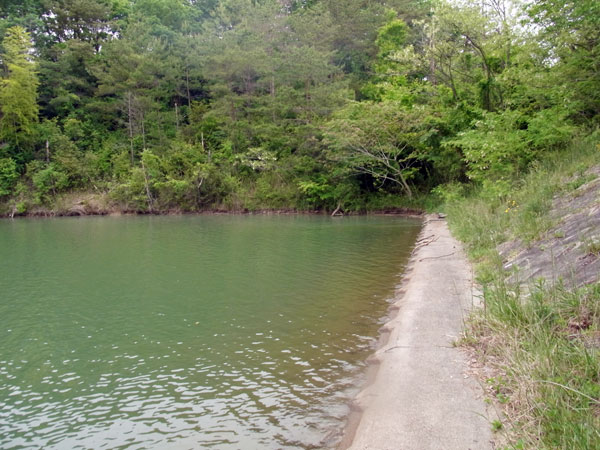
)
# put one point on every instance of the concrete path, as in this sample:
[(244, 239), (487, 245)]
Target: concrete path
[(421, 396)]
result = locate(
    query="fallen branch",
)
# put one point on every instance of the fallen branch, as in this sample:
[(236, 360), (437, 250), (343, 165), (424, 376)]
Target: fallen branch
[(425, 243), (437, 257), (337, 210)]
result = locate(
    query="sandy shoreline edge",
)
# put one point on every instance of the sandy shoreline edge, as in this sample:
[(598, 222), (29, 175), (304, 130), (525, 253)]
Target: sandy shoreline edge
[(419, 394)]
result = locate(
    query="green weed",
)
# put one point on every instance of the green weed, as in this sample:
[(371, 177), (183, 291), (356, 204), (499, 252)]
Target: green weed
[(592, 247), (496, 425), (543, 343)]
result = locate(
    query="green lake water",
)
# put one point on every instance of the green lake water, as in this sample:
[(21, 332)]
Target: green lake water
[(239, 332)]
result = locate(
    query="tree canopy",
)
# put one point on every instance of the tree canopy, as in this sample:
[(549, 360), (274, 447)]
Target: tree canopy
[(240, 104)]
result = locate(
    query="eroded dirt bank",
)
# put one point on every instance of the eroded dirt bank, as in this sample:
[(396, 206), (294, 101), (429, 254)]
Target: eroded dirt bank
[(421, 396), (99, 204)]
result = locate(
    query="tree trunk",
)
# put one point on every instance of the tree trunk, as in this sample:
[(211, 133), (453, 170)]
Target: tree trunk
[(336, 211), (130, 125), (405, 185), (187, 87), (143, 132), (147, 186)]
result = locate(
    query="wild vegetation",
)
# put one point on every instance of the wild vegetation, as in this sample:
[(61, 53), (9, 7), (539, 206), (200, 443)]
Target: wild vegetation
[(178, 105), (538, 338), (156, 105)]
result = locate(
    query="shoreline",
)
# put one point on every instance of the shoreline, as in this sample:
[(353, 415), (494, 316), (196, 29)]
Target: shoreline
[(48, 214), (418, 392)]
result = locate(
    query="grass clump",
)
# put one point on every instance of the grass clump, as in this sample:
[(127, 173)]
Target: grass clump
[(541, 341), (593, 247), (546, 348)]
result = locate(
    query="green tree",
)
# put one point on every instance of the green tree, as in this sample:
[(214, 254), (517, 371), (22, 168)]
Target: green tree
[(89, 21), (381, 140), (8, 176), (570, 35), (18, 91), (26, 13)]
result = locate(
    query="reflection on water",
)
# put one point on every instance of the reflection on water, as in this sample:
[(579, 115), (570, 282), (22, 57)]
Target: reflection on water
[(187, 332)]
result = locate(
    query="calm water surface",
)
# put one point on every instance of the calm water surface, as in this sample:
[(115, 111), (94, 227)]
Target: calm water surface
[(189, 332)]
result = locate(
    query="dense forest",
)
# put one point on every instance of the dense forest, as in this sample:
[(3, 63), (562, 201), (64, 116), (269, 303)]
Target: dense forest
[(188, 105)]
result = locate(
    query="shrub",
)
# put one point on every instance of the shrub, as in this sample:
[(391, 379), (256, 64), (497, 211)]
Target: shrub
[(8, 176)]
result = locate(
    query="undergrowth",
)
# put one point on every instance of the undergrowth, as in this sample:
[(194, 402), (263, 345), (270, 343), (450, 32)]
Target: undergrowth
[(542, 341), (545, 350)]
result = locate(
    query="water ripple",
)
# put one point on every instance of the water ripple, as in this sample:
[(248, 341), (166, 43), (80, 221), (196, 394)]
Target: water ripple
[(187, 332)]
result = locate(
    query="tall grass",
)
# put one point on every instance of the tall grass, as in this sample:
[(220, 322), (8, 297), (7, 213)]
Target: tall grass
[(544, 349), (541, 341)]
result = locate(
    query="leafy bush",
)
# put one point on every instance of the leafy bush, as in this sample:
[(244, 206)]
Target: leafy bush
[(8, 176), (501, 146), (47, 178), (496, 148)]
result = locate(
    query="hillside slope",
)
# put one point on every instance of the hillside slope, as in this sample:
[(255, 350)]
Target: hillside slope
[(570, 249), (536, 341)]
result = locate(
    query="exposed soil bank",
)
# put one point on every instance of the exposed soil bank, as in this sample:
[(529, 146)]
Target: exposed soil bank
[(421, 396), (90, 204)]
